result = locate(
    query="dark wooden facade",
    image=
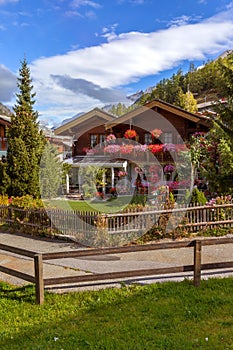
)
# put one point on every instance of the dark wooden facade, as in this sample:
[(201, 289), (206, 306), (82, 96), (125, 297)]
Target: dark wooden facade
[(84, 129), (90, 146), (158, 114), (4, 124)]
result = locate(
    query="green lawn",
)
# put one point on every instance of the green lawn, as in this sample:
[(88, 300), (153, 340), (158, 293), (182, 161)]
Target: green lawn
[(160, 316), (112, 206)]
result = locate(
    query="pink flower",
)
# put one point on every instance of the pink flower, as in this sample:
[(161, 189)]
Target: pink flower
[(140, 148), (156, 132), (169, 147), (122, 173), (126, 149), (112, 148), (110, 137)]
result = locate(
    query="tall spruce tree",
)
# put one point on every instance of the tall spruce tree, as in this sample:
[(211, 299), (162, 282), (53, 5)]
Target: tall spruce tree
[(25, 140)]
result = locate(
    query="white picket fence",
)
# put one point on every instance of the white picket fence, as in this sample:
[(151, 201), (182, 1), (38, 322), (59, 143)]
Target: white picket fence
[(134, 220)]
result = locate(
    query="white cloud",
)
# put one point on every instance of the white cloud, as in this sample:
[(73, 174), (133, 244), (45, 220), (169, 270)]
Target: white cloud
[(7, 84), (4, 2), (79, 3), (180, 21), (124, 59)]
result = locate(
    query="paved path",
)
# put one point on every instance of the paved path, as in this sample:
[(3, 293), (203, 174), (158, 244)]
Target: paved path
[(104, 263)]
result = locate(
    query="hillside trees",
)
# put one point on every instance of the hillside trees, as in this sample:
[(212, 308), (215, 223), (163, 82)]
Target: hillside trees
[(202, 82), (25, 140), (214, 151), (221, 133), (225, 111), (120, 109)]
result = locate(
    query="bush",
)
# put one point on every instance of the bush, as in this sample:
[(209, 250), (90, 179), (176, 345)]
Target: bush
[(197, 197), (4, 200), (26, 202), (139, 199)]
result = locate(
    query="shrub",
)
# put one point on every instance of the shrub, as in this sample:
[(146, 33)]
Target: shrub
[(4, 200), (26, 202), (197, 197)]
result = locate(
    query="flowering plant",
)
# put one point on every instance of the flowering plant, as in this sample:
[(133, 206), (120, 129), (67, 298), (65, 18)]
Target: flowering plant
[(155, 148), (112, 148), (130, 134), (113, 190), (126, 149), (169, 168), (90, 151), (99, 195), (110, 137), (122, 173), (169, 147), (140, 148), (156, 132)]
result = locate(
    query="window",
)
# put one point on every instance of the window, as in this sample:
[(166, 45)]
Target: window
[(93, 140), (96, 139), (148, 139), (167, 137)]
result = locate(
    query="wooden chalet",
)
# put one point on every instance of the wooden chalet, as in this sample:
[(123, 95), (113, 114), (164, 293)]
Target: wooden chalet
[(5, 122), (101, 139)]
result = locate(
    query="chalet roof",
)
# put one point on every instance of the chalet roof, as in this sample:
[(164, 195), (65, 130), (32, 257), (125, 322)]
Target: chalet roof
[(160, 105), (5, 119), (84, 119)]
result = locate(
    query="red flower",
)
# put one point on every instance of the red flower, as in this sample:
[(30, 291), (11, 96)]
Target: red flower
[(155, 148), (130, 134)]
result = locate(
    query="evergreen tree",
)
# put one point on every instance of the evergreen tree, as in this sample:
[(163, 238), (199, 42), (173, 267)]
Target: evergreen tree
[(51, 171), (120, 109), (25, 140), (4, 178)]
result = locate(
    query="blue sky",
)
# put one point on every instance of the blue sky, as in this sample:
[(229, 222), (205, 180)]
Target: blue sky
[(88, 53)]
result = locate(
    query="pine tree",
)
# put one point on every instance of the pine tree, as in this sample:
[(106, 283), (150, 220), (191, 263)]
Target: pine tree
[(51, 170), (25, 140)]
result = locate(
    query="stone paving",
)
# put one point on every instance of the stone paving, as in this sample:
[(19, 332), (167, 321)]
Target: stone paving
[(105, 263)]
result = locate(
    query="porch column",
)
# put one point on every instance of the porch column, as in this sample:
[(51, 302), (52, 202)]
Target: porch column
[(79, 182), (125, 168), (67, 184), (112, 177), (104, 180)]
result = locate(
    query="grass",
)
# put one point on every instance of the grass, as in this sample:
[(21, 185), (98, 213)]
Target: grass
[(159, 316), (110, 206)]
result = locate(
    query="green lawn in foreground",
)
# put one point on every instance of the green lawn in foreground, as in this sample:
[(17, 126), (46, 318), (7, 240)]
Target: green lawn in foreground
[(160, 316)]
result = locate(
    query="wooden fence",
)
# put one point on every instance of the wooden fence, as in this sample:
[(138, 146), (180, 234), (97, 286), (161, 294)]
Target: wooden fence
[(41, 282), (72, 223), (192, 218)]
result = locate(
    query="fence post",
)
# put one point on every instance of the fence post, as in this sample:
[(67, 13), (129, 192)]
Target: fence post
[(197, 263), (39, 281)]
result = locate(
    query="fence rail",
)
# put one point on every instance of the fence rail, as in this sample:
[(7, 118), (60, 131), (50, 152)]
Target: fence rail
[(71, 223), (39, 258)]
